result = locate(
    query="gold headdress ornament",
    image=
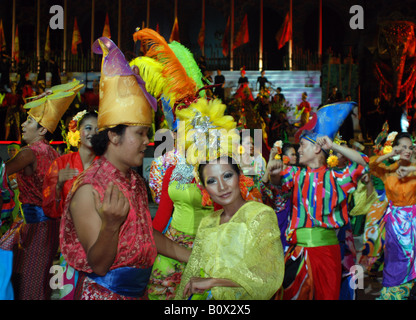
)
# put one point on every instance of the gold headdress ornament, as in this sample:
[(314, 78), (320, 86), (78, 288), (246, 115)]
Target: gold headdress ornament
[(123, 97), (388, 145), (48, 108), (208, 134)]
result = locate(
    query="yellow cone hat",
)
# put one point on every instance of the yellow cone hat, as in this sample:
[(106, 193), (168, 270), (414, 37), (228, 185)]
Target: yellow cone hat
[(48, 108), (123, 97)]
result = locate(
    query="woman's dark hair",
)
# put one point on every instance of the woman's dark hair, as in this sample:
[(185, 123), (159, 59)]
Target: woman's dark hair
[(401, 135), (100, 140), (230, 161), (286, 146), (89, 114)]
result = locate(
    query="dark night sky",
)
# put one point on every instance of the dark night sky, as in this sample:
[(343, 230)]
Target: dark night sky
[(336, 31)]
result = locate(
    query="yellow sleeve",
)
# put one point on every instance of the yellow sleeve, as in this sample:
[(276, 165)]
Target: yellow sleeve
[(261, 267), (246, 250), (362, 203)]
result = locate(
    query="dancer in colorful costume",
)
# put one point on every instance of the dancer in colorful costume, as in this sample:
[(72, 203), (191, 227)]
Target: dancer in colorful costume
[(34, 240), (61, 176), (275, 196), (372, 252), (181, 205), (106, 230), (252, 162), (399, 271), (313, 262), (358, 204), (226, 261)]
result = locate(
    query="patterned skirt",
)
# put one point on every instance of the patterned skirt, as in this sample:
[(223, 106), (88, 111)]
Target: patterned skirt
[(167, 273), (35, 246), (374, 237), (400, 247), (70, 278)]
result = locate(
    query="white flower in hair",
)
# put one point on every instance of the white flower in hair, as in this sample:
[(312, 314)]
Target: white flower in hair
[(278, 144), (79, 115), (392, 135)]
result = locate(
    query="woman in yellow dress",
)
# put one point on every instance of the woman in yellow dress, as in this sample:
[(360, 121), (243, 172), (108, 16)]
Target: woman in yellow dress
[(227, 261)]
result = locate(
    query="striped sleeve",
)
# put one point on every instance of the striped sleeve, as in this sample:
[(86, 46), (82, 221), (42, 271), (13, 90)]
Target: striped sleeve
[(287, 177), (348, 177)]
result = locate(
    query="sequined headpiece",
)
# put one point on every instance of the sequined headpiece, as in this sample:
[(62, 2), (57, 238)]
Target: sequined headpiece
[(205, 133)]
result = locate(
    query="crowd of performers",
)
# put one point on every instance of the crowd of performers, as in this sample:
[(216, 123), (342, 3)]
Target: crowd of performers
[(234, 221)]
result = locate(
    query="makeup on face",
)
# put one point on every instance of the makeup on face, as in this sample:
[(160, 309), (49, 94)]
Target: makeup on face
[(222, 183)]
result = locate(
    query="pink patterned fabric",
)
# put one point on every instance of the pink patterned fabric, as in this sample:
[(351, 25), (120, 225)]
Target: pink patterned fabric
[(37, 247), (34, 244), (30, 187), (90, 290), (136, 246)]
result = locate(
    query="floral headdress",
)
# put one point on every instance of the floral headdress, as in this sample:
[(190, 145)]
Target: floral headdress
[(388, 145), (332, 159), (73, 137), (279, 145)]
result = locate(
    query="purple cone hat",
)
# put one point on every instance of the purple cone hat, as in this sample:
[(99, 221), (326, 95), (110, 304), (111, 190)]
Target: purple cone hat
[(123, 96)]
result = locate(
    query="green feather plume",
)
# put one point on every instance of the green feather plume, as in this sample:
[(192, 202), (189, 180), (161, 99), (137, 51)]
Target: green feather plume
[(186, 58)]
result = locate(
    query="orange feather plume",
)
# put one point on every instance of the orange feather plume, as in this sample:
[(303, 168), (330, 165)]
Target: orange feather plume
[(179, 84)]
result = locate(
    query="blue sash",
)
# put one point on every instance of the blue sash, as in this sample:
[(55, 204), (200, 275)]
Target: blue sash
[(126, 281), (33, 214)]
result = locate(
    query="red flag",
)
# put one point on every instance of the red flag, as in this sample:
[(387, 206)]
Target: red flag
[(106, 30), (76, 38), (201, 36), (16, 55), (285, 33), (242, 35), (157, 28), (174, 35), (225, 39), (2, 37)]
